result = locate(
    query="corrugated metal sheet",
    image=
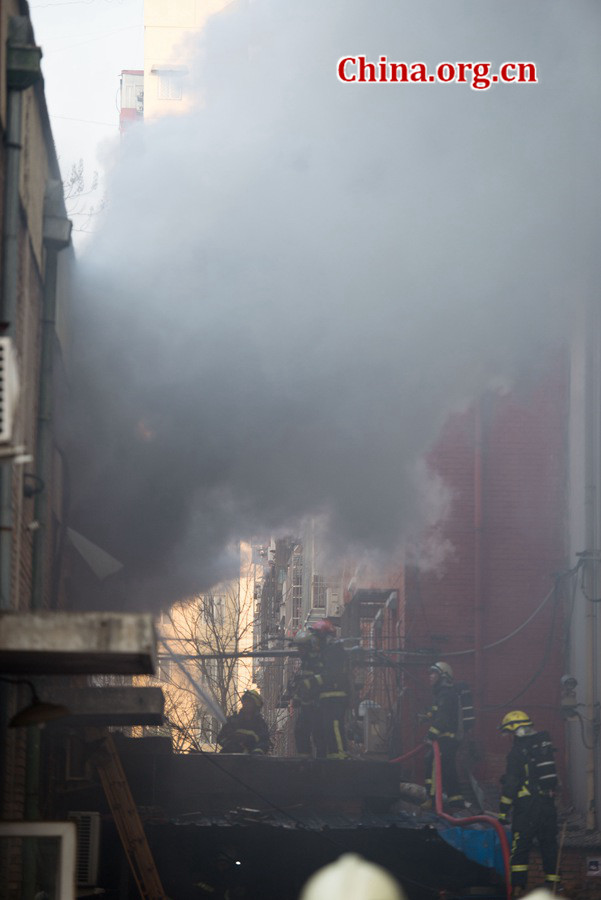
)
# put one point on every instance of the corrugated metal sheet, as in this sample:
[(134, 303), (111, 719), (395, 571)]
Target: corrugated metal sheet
[(309, 820), (302, 818)]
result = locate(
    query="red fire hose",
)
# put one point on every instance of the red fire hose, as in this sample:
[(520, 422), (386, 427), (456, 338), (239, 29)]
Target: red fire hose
[(470, 820), (467, 820)]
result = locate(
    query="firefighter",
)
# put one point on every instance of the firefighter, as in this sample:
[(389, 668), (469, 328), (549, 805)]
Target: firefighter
[(528, 791), (444, 717), (320, 693), (303, 691), (246, 731)]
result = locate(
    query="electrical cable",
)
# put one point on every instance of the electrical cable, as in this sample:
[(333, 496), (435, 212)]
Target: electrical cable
[(512, 634), (91, 40), (84, 121), (506, 637), (301, 825), (545, 659), (262, 797), (581, 720)]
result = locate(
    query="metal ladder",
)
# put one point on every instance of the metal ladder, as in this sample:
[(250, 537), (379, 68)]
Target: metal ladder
[(126, 816)]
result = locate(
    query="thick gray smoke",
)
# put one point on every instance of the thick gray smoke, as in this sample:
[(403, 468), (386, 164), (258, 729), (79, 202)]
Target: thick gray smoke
[(296, 283)]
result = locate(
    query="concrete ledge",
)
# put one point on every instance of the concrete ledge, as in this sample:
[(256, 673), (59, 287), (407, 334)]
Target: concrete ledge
[(108, 705), (66, 643)]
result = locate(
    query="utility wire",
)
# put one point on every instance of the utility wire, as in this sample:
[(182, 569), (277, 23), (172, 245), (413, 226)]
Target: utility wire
[(541, 668), (85, 121), (301, 825), (511, 634), (91, 40)]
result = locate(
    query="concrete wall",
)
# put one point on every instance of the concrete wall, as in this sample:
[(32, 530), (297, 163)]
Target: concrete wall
[(583, 637)]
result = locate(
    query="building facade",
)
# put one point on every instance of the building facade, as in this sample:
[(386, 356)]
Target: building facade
[(171, 35), (35, 233)]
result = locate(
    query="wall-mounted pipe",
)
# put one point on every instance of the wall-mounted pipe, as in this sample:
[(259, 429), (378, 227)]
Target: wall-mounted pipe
[(478, 543), (592, 438)]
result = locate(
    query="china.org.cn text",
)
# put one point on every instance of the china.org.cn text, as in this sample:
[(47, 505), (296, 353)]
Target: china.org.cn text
[(479, 75)]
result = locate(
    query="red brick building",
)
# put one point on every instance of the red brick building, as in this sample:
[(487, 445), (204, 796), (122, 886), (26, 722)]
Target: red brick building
[(505, 462), (494, 606)]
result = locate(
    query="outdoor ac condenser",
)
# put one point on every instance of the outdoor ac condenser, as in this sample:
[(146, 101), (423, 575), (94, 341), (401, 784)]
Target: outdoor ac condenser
[(9, 390), (375, 734), (88, 846), (334, 604)]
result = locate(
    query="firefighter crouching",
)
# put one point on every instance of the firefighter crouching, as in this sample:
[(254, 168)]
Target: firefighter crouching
[(528, 791), (319, 693), (444, 717), (246, 731)]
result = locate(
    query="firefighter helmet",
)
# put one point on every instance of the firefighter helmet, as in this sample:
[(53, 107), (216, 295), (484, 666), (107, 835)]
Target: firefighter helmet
[(322, 626), (443, 669), (302, 636), (514, 720), (254, 696), (352, 878)]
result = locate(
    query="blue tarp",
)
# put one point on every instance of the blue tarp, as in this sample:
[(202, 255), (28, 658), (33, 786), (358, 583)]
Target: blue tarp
[(481, 845)]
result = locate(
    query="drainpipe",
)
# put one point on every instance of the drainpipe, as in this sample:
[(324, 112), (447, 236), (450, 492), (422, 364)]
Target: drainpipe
[(478, 604), (593, 546)]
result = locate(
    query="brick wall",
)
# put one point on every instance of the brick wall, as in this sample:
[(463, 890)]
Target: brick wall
[(503, 561), (576, 883)]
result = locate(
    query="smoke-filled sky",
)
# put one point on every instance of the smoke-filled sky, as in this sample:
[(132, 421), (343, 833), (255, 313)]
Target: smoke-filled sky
[(296, 283)]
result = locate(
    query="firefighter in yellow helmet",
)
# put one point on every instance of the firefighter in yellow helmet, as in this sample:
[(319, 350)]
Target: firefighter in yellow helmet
[(352, 878), (444, 718), (528, 792), (246, 731)]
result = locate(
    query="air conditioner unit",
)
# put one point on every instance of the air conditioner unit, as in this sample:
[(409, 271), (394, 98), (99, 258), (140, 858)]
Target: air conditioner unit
[(375, 730), (88, 846), (334, 603), (9, 389)]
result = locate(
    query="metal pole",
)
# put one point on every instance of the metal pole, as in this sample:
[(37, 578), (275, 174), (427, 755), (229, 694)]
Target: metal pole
[(593, 543)]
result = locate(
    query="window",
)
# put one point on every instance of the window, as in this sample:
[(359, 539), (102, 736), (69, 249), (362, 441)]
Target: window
[(319, 592), (170, 85), (297, 589), (61, 872)]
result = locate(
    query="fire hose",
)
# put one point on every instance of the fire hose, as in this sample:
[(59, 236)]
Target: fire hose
[(467, 820)]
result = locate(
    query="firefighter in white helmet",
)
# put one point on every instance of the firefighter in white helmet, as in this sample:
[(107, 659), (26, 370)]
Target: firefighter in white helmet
[(352, 878), (444, 718)]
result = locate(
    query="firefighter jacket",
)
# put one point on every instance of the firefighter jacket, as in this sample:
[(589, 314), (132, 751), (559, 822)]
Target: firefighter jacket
[(443, 715), (335, 678), (523, 778), (323, 674), (242, 734), (303, 689)]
